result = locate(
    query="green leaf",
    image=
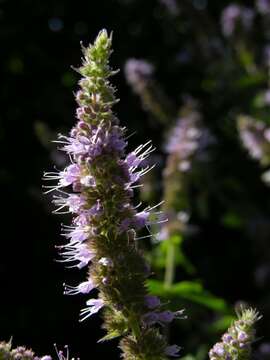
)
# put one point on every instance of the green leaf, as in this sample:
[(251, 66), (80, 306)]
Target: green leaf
[(110, 336), (232, 220), (159, 255), (188, 290), (222, 324)]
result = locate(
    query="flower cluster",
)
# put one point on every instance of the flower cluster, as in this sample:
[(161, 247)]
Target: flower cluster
[(255, 136), (236, 342), (235, 16), (187, 144), (100, 182), (139, 75), (19, 353), (188, 140)]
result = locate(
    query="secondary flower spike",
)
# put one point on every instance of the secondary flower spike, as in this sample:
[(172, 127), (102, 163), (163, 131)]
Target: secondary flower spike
[(97, 189), (236, 342)]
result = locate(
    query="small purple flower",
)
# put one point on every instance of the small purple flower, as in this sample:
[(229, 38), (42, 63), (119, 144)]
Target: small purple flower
[(218, 349), (132, 160), (69, 175), (78, 253), (150, 318), (73, 202), (141, 219), (83, 288), (242, 336), (227, 338), (172, 350), (152, 301), (93, 306), (75, 233), (166, 316), (162, 318)]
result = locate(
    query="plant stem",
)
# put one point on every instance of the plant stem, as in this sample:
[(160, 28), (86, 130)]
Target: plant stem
[(170, 264)]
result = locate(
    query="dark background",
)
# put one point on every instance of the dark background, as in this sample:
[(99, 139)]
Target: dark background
[(39, 41)]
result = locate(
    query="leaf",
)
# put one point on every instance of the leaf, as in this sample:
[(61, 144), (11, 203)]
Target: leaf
[(222, 324), (159, 255), (232, 220), (188, 290), (110, 336)]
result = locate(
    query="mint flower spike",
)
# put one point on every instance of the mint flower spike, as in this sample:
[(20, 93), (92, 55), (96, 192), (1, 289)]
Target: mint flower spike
[(236, 342), (18, 353), (140, 76), (102, 236)]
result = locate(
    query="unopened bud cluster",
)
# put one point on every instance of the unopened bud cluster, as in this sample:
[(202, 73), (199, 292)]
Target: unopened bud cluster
[(236, 342), (19, 353)]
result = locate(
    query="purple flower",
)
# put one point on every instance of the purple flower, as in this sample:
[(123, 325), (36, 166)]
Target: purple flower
[(218, 349), (226, 338), (138, 73), (69, 175), (172, 350), (140, 219), (187, 140), (73, 202), (162, 318), (235, 15), (133, 160), (83, 288), (255, 138), (150, 318), (75, 233), (78, 253), (166, 316), (151, 301), (242, 336), (65, 178), (93, 306)]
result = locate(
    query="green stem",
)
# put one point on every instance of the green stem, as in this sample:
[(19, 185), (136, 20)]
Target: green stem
[(170, 264)]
